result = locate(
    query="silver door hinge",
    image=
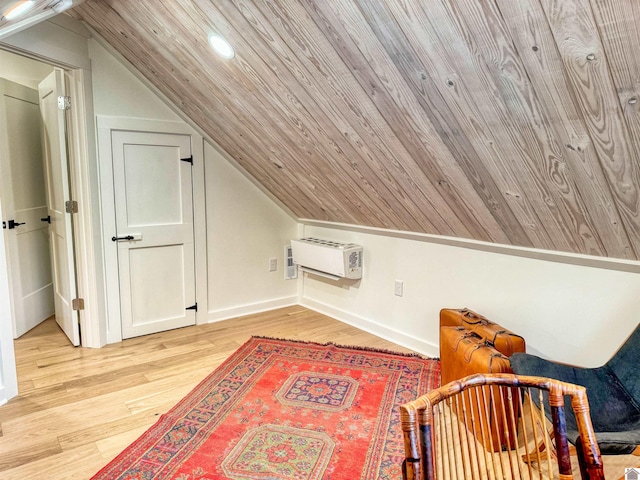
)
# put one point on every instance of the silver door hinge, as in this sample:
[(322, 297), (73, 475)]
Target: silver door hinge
[(77, 303), (64, 103), (71, 206)]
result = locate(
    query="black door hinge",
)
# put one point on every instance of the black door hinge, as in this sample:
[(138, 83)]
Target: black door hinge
[(193, 307), (188, 159)]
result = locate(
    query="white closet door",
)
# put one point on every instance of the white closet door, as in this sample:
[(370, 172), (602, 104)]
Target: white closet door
[(154, 231)]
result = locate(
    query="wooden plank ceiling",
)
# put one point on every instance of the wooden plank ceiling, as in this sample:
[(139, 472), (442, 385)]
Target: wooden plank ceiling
[(515, 122)]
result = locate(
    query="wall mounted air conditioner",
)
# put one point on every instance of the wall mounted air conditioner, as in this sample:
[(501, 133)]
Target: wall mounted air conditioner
[(326, 258)]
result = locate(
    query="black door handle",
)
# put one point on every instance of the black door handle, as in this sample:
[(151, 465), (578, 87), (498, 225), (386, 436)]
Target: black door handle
[(46, 219), (117, 239), (14, 224)]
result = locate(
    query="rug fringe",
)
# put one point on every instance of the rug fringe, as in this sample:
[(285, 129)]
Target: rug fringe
[(352, 347)]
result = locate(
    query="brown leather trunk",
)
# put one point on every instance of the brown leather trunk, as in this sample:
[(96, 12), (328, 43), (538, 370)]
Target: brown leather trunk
[(464, 353), (505, 341)]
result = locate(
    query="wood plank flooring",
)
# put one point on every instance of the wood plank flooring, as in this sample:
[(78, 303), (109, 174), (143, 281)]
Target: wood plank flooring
[(78, 408)]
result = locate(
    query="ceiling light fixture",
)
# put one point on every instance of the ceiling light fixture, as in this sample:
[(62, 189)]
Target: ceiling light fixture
[(221, 46), (18, 9)]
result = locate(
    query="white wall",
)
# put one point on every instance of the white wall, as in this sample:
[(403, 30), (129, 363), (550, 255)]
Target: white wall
[(22, 70), (244, 230), (571, 313), (117, 92)]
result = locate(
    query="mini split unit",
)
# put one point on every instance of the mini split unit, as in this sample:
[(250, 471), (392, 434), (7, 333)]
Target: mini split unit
[(328, 259)]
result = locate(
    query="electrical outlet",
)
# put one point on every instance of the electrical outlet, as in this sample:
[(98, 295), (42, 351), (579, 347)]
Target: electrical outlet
[(273, 264), (398, 287)]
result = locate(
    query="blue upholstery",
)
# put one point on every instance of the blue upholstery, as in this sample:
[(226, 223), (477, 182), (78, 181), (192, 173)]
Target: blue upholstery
[(613, 390)]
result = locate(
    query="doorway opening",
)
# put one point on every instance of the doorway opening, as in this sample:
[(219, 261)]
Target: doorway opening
[(34, 191)]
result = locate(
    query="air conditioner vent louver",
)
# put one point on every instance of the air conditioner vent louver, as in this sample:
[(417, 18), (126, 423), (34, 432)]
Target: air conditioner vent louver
[(290, 270), (328, 258), (355, 259)]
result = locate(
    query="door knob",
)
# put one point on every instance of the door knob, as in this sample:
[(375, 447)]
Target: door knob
[(13, 224), (46, 219)]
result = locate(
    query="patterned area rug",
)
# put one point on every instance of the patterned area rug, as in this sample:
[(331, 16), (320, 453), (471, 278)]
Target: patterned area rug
[(285, 410)]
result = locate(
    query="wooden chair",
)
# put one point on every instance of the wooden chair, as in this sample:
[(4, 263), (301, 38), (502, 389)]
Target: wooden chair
[(448, 432)]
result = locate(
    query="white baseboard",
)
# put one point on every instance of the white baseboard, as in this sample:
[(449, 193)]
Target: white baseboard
[(401, 338), (251, 308)]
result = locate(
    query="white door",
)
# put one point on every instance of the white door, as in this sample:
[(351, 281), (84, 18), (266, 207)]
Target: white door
[(23, 194), (154, 231), (58, 193)]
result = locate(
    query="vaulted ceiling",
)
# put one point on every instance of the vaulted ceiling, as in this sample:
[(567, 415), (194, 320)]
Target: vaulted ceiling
[(507, 121)]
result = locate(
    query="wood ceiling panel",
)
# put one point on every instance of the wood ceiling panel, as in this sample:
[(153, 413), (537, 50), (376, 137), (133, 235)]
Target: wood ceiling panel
[(279, 67), (456, 66), (337, 81), (467, 118), (445, 122), (578, 164), (583, 56), (402, 119), (303, 113), (547, 155)]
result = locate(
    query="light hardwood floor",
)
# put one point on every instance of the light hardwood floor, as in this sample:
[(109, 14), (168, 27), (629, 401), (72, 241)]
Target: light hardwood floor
[(78, 408)]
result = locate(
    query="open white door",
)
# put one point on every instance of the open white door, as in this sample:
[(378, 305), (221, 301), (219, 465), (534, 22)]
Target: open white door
[(24, 200), (153, 190), (58, 194)]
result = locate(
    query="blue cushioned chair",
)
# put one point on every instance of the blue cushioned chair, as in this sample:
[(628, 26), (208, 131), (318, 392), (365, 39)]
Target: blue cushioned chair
[(613, 391)]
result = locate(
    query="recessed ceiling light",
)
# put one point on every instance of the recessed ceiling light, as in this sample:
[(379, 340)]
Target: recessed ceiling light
[(221, 46), (18, 9)]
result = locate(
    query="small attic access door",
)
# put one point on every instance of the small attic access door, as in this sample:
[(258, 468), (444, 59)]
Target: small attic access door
[(153, 195)]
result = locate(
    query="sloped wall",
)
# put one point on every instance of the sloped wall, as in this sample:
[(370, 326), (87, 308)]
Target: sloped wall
[(244, 230)]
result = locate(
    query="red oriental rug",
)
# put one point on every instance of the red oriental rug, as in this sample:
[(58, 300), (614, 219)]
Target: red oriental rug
[(285, 410)]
